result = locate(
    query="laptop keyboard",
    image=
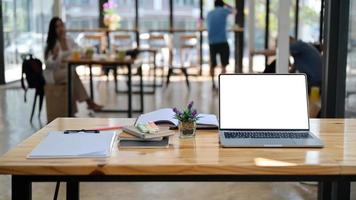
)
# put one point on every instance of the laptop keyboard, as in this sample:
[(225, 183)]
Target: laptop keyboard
[(266, 134)]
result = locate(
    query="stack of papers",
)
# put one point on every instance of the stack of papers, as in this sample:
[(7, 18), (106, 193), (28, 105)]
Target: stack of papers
[(60, 145)]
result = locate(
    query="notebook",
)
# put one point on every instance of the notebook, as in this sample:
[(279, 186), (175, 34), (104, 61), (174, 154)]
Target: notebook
[(166, 115), (76, 145), (144, 143), (264, 110)]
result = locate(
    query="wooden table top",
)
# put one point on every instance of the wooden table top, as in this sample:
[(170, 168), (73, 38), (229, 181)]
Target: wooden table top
[(98, 61), (177, 30), (198, 156), (101, 30)]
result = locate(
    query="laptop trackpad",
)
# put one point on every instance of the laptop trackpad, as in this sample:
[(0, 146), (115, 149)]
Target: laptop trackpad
[(272, 142)]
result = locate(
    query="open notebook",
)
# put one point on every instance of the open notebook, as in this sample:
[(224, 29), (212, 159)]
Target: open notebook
[(76, 145), (166, 115)]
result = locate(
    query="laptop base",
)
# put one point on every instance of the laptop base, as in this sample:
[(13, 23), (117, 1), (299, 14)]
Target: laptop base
[(312, 142)]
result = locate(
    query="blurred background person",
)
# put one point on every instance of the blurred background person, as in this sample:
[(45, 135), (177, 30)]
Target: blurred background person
[(217, 35), (58, 48), (307, 59)]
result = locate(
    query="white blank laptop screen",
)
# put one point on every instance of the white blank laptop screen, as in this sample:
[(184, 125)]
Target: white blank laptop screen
[(263, 102)]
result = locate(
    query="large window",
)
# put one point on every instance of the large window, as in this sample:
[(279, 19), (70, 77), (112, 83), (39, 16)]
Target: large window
[(186, 14), (154, 15), (273, 21), (81, 14), (126, 11), (350, 103), (309, 20), (25, 27)]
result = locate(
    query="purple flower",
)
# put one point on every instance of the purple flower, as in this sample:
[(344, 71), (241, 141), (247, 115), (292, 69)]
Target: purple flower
[(175, 110), (111, 4), (194, 113), (105, 6), (190, 105)]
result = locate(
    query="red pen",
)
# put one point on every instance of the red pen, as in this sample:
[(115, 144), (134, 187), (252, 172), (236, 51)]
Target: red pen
[(109, 128)]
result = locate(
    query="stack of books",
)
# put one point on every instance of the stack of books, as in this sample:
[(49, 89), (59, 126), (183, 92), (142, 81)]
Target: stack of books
[(146, 134)]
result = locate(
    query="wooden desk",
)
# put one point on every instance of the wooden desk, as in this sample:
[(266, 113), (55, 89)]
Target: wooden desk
[(198, 159), (72, 63), (177, 30)]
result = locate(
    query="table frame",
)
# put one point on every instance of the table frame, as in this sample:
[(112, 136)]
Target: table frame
[(331, 187), (72, 64)]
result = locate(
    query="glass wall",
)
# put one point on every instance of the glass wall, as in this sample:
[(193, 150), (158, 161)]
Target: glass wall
[(186, 16), (154, 15), (153, 28), (25, 28), (260, 33), (126, 11), (309, 20), (350, 102), (81, 14), (273, 21)]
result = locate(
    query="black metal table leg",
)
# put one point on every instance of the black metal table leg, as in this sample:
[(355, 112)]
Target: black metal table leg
[(72, 190), (130, 91), (69, 91), (21, 188), (141, 88), (170, 72), (185, 72), (115, 80), (91, 83), (154, 72), (341, 190), (324, 190)]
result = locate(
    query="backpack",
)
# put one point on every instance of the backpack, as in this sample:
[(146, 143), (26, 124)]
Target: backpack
[(32, 68)]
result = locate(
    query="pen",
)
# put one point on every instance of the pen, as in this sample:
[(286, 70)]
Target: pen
[(109, 128)]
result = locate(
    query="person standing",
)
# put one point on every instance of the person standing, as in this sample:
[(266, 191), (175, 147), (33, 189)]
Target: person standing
[(217, 35)]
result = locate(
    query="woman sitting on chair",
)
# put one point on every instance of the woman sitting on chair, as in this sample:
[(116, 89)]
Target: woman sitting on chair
[(59, 47)]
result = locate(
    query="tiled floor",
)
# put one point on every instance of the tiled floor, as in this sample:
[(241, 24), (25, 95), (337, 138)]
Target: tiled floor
[(15, 127)]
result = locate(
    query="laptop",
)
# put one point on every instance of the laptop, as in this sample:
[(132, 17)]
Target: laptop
[(264, 110)]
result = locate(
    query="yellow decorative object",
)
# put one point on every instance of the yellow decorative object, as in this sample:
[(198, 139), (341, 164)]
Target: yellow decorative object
[(111, 18)]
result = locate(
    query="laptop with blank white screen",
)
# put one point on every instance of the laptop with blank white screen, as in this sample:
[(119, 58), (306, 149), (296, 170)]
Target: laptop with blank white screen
[(264, 110)]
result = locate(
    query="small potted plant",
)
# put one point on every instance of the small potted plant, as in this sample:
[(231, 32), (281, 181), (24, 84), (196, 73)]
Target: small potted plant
[(89, 52), (187, 120)]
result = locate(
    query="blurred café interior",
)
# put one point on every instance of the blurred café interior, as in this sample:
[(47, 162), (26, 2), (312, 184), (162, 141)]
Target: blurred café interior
[(167, 43)]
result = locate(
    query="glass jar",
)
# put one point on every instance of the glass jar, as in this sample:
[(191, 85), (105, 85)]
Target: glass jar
[(187, 129)]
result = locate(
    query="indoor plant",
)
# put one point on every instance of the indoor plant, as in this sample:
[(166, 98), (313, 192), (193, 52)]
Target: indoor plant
[(187, 120)]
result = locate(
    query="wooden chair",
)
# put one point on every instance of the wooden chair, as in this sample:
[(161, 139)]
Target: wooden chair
[(97, 40), (189, 44), (158, 42), (122, 41)]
